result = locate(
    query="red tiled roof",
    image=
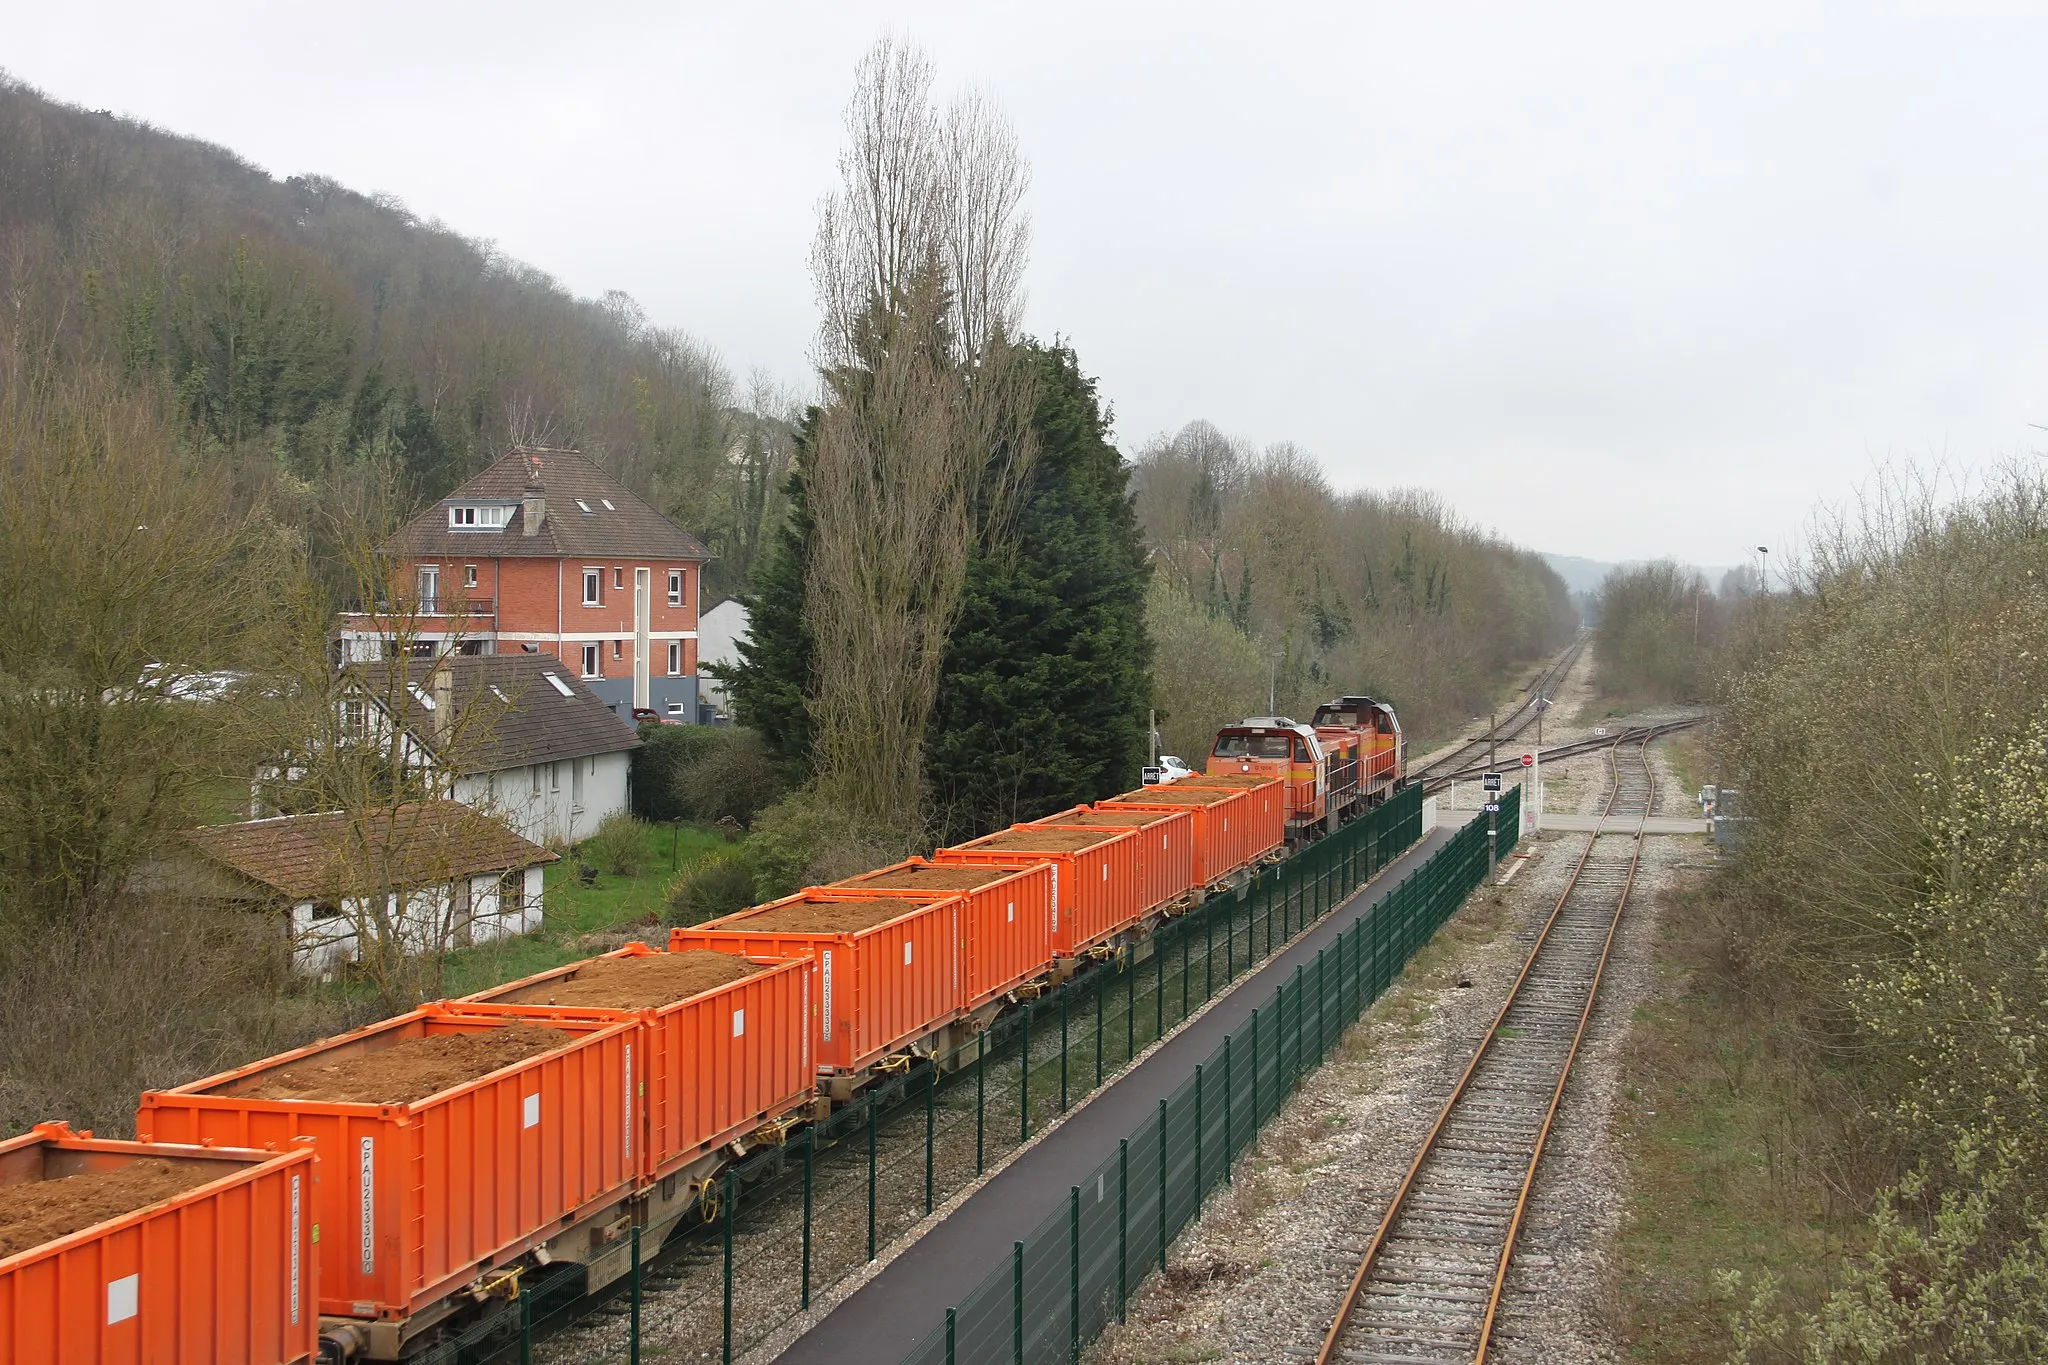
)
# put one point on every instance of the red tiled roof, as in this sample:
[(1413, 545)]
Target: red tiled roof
[(332, 854), (570, 482)]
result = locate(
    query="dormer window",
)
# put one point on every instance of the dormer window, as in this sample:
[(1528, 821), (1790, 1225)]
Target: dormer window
[(608, 504), (584, 508), (466, 517)]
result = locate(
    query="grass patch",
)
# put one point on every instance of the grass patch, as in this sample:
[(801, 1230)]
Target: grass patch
[(1718, 1121), (572, 911)]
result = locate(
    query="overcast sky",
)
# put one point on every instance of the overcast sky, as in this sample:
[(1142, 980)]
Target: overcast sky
[(1616, 283)]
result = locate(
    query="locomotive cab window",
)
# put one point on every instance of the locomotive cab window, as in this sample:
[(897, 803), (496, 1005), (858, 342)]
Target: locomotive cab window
[(1233, 746)]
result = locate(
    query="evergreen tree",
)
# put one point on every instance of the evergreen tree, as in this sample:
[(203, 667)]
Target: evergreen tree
[(1047, 674), (771, 683)]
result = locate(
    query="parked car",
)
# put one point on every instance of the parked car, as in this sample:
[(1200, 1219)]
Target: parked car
[(1168, 770), (647, 715)]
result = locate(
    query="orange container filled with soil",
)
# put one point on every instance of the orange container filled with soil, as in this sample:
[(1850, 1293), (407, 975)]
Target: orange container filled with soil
[(884, 971), (724, 1048), (1166, 838), (449, 1144), (1006, 919), (1235, 825), (1097, 874), (131, 1253)]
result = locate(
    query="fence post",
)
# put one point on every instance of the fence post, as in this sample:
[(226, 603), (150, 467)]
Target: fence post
[(1131, 1008), (1186, 951), (1200, 1133), (980, 1096), (1208, 952), (526, 1329), (952, 1315), (931, 1127), (1063, 1044), (1255, 1069), (871, 1175), (633, 1339), (810, 1149), (1158, 985), (1024, 1081), (1100, 977), (1123, 1224), (1017, 1302), (1230, 941), (1162, 1187), (1074, 1272), (1229, 1152), (731, 1198)]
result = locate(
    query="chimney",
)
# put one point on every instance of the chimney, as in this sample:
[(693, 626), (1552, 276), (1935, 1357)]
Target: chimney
[(444, 700), (534, 504)]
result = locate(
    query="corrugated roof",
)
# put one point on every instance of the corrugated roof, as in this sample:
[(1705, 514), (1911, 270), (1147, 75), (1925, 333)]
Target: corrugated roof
[(332, 853), (589, 515), (509, 710)]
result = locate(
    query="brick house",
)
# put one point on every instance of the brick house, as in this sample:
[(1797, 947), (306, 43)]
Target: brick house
[(545, 553)]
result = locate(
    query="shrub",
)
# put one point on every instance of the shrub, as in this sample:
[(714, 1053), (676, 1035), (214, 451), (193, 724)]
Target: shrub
[(805, 840), (618, 845), (716, 884), (704, 773)]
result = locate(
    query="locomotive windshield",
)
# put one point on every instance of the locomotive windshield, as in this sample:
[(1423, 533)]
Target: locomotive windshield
[(1254, 746)]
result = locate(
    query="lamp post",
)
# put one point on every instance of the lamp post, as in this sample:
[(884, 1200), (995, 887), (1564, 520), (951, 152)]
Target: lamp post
[(1764, 578)]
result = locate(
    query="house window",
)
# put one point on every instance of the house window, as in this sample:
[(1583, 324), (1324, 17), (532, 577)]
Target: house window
[(469, 575), (479, 518), (536, 780), (325, 910), (618, 649), (554, 777), (675, 587), (576, 783), (512, 892), (430, 588), (590, 669), (354, 718), (593, 587), (462, 516), (619, 579), (675, 658)]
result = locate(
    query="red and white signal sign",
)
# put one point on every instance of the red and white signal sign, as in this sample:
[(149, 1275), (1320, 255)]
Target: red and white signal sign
[(1528, 760)]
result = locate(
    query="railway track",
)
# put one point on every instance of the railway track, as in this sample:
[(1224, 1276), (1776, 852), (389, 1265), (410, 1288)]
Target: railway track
[(1436, 774), (1428, 1288)]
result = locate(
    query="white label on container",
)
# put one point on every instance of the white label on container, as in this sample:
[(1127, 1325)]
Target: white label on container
[(369, 1192), (295, 1249), (1013, 912), (1105, 872), (739, 1023), (825, 972), (1054, 868), (907, 946), (123, 1297), (629, 1102), (530, 1111)]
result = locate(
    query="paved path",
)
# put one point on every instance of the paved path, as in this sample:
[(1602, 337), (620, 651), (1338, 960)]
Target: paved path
[(883, 1319)]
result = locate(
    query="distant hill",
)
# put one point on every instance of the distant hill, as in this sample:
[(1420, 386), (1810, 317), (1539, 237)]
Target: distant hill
[(1585, 575), (314, 332)]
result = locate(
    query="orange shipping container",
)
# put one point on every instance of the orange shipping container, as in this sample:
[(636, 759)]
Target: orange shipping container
[(1006, 923), (883, 973), (212, 1266), (1096, 877), (715, 1065), (1167, 865), (1235, 826), (417, 1198)]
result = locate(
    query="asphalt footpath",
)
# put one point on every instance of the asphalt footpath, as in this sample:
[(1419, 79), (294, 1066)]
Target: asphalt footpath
[(884, 1318)]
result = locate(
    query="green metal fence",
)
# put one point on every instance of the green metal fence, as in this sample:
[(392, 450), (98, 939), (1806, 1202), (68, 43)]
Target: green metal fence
[(1077, 1270), (790, 1221)]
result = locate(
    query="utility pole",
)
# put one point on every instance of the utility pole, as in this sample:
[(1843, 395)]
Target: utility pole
[(1492, 742), (1152, 730)]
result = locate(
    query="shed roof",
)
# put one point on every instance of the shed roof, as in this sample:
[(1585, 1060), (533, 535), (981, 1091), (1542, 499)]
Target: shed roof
[(510, 710), (589, 514), (333, 853)]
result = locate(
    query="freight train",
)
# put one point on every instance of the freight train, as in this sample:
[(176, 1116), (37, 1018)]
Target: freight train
[(359, 1198)]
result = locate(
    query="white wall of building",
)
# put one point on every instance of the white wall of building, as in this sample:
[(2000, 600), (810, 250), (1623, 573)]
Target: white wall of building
[(320, 944), (551, 801), (720, 633)]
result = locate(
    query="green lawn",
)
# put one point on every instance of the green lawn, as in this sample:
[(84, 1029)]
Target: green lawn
[(572, 911)]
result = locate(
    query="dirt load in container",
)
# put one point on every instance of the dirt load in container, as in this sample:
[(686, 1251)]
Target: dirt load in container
[(1097, 877), (884, 972), (1166, 839), (131, 1253), (1006, 919), (723, 1044), (1235, 825), (448, 1144)]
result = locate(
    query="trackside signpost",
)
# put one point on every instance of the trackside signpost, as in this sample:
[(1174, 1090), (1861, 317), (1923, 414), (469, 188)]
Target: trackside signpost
[(1491, 785)]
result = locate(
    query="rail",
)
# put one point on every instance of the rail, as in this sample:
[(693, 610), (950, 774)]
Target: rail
[(1438, 782), (1452, 1210), (1538, 690)]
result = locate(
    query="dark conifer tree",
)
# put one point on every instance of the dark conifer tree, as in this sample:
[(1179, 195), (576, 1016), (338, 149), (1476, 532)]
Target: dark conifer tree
[(1047, 676)]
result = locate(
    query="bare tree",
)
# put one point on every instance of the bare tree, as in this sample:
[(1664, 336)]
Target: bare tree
[(924, 438)]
